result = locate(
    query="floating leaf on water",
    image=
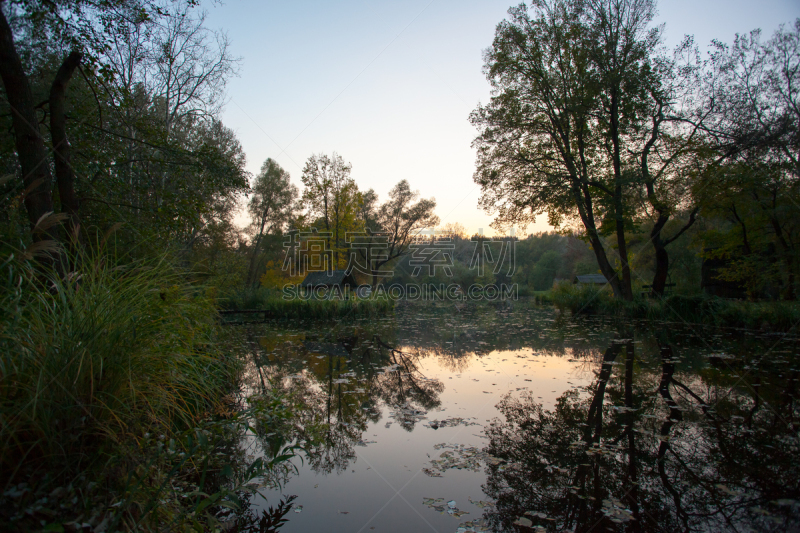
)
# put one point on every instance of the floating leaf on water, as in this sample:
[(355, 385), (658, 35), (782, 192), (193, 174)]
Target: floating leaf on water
[(451, 422), (473, 526), (480, 503), (720, 355)]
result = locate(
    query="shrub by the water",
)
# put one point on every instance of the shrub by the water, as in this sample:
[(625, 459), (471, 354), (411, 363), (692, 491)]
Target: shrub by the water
[(587, 299)]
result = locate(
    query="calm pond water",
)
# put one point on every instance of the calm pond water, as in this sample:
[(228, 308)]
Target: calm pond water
[(512, 418)]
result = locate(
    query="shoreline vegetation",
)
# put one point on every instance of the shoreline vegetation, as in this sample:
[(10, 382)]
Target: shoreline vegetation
[(125, 406), (777, 316), (771, 316), (120, 403), (270, 301)]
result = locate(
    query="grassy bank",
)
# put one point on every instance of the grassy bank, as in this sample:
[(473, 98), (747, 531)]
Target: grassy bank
[(767, 316), (272, 301), (115, 400)]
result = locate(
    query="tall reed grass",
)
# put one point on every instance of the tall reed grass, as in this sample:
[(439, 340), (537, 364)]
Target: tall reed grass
[(117, 402), (329, 308), (96, 358)]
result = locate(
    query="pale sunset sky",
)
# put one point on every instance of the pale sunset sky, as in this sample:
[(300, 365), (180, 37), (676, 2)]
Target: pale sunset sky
[(389, 85)]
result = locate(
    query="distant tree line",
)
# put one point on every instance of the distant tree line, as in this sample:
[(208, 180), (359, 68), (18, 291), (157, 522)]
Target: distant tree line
[(113, 135)]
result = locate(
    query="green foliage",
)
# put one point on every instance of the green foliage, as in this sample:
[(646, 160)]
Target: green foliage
[(755, 227), (680, 308), (333, 202), (270, 520), (577, 298), (544, 272), (218, 262), (578, 100), (143, 155), (90, 360), (247, 298), (183, 481), (271, 207), (399, 219)]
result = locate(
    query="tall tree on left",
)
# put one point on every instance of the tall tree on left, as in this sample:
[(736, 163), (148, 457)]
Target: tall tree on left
[(28, 140), (72, 27)]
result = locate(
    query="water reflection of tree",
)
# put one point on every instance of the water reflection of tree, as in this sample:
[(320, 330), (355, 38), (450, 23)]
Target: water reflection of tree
[(330, 415), (599, 461), (403, 387), (334, 386)]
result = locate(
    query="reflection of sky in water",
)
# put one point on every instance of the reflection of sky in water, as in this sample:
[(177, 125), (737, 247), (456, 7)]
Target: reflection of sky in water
[(394, 460), (451, 368)]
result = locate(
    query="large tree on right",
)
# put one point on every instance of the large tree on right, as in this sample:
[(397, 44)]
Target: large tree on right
[(582, 123)]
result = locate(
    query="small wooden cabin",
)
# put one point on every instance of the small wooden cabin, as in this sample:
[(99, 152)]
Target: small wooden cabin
[(590, 279), (329, 279)]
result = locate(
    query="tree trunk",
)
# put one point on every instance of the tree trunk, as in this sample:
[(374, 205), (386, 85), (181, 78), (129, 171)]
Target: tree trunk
[(788, 293), (662, 258), (27, 139), (622, 246), (338, 222), (65, 177), (584, 202), (329, 252), (251, 270), (251, 274), (605, 266), (660, 245), (662, 270), (626, 289)]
